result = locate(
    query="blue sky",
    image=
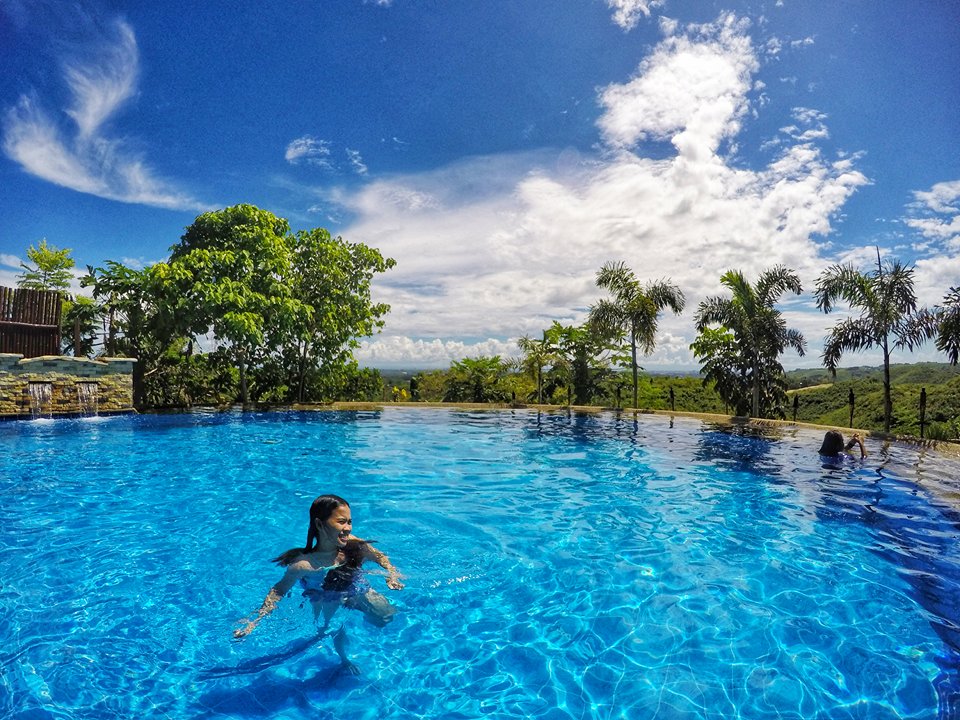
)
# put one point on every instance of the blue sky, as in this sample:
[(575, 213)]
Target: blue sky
[(501, 152)]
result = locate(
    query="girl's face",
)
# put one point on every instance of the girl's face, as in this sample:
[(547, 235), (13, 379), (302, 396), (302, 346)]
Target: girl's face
[(338, 526)]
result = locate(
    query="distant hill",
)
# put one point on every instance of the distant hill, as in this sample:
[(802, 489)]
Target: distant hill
[(905, 373), (825, 400)]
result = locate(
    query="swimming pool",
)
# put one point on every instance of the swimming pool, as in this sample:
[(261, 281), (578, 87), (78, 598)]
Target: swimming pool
[(591, 566)]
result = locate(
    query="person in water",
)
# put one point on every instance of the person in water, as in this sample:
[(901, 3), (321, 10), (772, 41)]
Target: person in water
[(328, 569), (833, 444)]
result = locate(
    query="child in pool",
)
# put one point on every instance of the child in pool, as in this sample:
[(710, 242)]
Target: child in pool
[(328, 570)]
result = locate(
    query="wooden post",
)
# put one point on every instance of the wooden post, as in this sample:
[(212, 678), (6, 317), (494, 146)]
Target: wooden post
[(923, 410)]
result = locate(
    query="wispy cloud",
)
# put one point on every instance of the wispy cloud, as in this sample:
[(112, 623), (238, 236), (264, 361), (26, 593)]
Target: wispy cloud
[(310, 150), (505, 257), (85, 157), (627, 13), (356, 161)]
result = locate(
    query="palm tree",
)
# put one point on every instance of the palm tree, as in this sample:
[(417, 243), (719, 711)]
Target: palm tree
[(760, 332), (536, 356), (888, 307), (948, 337), (633, 310)]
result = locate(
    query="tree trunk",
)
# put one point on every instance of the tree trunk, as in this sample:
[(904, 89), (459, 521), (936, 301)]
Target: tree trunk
[(539, 384), (633, 356), (76, 336), (243, 380), (755, 403), (302, 370), (887, 402), (111, 334)]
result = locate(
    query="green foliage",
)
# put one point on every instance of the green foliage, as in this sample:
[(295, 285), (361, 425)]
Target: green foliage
[(51, 270), (287, 308), (741, 340), (78, 329), (431, 385), (632, 311), (476, 380), (828, 405), (889, 317), (579, 357), (948, 330)]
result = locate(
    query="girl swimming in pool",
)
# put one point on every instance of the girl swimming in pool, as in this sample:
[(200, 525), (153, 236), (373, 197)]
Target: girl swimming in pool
[(328, 570)]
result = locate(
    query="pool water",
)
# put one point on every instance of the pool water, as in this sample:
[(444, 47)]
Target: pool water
[(556, 567)]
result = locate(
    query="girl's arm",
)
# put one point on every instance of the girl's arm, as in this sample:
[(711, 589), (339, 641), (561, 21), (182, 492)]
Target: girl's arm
[(393, 575), (276, 594), (857, 440)]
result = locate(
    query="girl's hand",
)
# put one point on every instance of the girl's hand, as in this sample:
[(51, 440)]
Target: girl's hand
[(393, 581), (244, 631)]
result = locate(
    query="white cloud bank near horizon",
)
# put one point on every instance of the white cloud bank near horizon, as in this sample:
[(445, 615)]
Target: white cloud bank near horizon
[(87, 157)]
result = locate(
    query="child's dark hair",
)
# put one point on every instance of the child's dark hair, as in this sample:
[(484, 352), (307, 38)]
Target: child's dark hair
[(321, 509)]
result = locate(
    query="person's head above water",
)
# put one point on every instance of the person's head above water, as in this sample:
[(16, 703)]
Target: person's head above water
[(330, 526), (832, 443)]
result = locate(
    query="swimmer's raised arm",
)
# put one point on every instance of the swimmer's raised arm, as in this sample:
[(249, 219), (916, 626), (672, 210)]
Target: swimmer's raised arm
[(393, 575), (857, 440), (277, 592)]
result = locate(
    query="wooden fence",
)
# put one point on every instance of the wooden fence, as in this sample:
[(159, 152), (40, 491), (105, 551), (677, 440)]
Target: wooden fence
[(30, 322)]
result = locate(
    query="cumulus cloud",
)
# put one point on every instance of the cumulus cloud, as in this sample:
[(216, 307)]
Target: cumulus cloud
[(87, 157), (692, 90), (935, 215), (627, 13), (498, 247)]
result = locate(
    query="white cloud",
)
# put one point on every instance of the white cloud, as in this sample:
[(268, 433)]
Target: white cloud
[(627, 13), (498, 247), (397, 351), (310, 150), (691, 90), (356, 161), (90, 160), (935, 215)]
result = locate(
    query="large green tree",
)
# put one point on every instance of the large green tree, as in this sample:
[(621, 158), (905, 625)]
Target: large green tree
[(948, 332), (579, 354), (760, 336), (889, 318), (50, 270), (632, 310), (287, 308), (229, 272), (332, 278)]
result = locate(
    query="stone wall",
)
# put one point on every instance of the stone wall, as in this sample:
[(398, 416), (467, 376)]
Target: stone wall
[(69, 382)]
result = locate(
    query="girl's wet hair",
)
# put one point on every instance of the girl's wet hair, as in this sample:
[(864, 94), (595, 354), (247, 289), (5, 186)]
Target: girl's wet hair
[(832, 443), (321, 509)]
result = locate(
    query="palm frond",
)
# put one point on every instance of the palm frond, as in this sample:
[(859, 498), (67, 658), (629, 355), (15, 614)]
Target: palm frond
[(843, 282), (853, 334), (775, 282)]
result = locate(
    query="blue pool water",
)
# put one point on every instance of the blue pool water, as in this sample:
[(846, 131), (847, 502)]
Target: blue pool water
[(556, 567)]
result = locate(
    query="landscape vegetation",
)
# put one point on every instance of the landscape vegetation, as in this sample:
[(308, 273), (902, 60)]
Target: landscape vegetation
[(244, 310)]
